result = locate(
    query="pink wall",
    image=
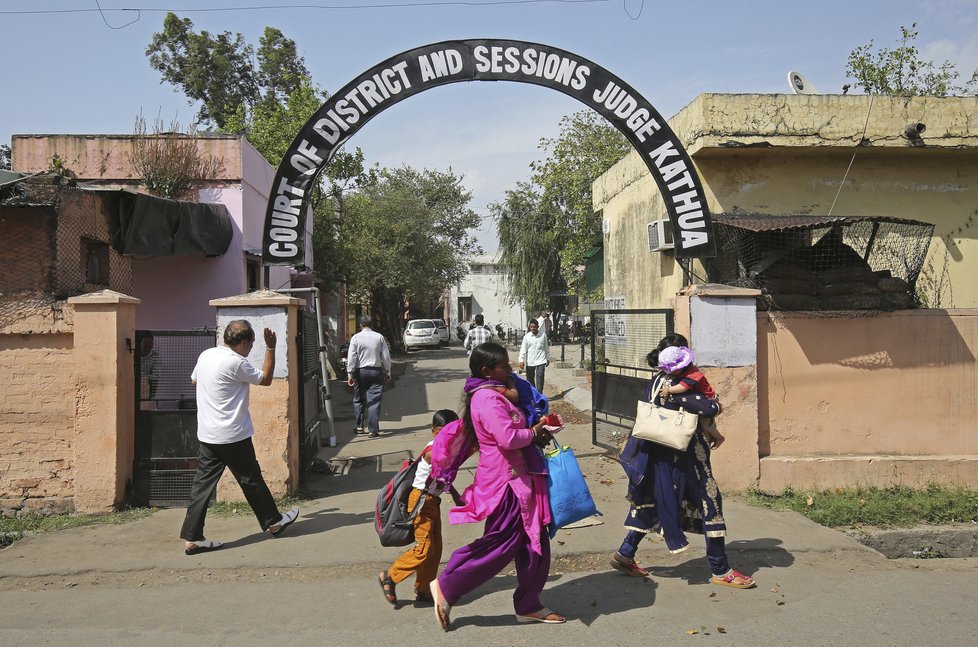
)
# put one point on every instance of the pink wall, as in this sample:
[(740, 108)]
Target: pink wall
[(175, 290)]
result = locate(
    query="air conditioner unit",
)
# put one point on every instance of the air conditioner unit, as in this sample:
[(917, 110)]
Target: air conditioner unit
[(605, 226), (660, 235)]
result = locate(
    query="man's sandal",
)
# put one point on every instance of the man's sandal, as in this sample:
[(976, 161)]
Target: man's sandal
[(733, 579), (387, 586), (628, 566)]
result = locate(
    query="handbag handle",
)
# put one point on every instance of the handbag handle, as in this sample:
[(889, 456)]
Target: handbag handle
[(654, 387)]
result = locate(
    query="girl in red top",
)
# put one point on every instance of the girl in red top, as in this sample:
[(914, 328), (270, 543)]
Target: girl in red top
[(684, 376)]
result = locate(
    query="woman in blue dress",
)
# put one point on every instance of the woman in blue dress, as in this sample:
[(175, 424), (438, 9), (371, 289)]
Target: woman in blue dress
[(673, 492)]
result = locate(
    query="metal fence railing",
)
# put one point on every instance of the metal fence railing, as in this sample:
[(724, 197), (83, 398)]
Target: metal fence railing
[(620, 341)]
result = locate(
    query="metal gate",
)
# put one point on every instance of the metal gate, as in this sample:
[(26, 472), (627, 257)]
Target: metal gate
[(165, 443), (620, 340), (311, 391)]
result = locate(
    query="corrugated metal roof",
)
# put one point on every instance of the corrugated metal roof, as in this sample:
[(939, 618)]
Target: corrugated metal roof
[(769, 222)]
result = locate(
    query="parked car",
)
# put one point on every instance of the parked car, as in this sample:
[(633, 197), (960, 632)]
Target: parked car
[(420, 333), (443, 334)]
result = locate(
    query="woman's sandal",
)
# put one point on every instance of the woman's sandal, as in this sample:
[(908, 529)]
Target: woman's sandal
[(733, 579), (628, 566), (387, 586), (544, 615), (443, 609)]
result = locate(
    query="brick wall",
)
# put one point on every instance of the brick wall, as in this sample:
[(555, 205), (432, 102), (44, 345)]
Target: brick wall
[(37, 405)]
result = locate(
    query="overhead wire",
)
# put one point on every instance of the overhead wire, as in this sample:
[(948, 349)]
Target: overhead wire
[(333, 6)]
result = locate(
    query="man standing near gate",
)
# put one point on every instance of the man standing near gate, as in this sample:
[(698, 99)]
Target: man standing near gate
[(369, 364), (224, 429), (535, 355)]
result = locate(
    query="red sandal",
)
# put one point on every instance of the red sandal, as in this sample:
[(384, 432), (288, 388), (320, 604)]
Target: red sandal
[(731, 577)]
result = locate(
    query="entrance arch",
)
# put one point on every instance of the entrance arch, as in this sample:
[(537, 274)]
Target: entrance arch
[(430, 66)]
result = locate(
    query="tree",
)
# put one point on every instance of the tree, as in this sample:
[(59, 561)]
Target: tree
[(530, 241), (218, 71), (404, 234), (901, 71), (586, 147), (5, 158)]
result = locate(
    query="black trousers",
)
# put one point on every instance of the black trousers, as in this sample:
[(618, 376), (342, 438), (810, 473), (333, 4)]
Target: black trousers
[(240, 458)]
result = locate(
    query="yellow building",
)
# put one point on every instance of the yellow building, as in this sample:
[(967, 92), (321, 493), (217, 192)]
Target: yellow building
[(910, 158)]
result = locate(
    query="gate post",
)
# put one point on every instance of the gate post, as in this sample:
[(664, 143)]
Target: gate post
[(274, 408), (720, 322), (104, 333)]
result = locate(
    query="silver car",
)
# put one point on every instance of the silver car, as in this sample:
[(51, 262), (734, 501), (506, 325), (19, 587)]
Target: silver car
[(442, 330), (420, 333)]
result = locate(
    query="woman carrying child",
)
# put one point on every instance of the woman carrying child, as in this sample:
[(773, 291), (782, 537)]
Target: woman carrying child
[(671, 491), (509, 492), (423, 558)]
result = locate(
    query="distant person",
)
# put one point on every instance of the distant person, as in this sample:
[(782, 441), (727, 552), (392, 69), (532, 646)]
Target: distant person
[(150, 367), (478, 334), (423, 558), (368, 365), (224, 429), (509, 493), (545, 323), (535, 355)]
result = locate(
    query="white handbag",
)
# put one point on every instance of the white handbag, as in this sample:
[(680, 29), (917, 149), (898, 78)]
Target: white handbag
[(664, 426)]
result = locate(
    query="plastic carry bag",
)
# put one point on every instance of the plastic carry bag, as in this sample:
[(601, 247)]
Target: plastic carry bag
[(570, 499)]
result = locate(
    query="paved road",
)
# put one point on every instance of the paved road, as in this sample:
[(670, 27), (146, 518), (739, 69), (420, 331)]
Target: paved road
[(132, 585)]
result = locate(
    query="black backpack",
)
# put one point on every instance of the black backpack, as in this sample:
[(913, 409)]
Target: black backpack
[(393, 521)]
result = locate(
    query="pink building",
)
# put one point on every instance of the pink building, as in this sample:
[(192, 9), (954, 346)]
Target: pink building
[(174, 290)]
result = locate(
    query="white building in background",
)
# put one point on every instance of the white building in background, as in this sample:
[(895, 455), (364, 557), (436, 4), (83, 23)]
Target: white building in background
[(485, 290)]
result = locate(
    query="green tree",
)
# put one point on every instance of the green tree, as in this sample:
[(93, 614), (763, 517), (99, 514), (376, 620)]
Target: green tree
[(586, 147), (530, 240), (5, 157), (219, 72), (405, 233), (902, 72)]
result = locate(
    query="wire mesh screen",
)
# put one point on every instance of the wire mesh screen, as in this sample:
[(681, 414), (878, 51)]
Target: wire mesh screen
[(166, 418), (164, 363), (818, 263), (55, 243), (620, 342)]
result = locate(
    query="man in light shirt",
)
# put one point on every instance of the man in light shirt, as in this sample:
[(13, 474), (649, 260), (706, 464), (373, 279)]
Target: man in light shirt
[(535, 355), (368, 363), (478, 334), (224, 429)]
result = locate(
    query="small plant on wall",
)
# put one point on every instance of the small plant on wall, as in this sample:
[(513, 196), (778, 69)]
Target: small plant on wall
[(169, 162)]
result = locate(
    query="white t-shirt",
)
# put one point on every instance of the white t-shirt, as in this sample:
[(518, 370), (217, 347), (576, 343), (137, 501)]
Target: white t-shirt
[(222, 378), (424, 469)]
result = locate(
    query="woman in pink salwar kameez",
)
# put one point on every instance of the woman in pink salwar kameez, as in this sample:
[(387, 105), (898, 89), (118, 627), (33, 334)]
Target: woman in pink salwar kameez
[(509, 492)]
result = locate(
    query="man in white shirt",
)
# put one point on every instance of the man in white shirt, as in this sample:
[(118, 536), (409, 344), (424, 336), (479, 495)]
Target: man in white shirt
[(545, 323), (535, 355), (369, 365), (224, 429)]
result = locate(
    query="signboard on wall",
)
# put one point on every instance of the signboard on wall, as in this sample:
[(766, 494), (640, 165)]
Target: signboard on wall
[(423, 68), (615, 331)]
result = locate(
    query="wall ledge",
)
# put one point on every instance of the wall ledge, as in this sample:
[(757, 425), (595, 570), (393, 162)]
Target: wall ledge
[(259, 298), (102, 297)]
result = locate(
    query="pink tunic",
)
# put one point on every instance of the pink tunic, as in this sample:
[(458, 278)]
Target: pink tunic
[(502, 434)]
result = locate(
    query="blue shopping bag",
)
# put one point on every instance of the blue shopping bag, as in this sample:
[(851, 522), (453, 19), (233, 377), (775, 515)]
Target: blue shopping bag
[(570, 499)]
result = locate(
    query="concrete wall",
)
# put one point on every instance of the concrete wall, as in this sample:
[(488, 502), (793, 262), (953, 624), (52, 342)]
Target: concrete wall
[(882, 400), (66, 407), (782, 154), (37, 417)]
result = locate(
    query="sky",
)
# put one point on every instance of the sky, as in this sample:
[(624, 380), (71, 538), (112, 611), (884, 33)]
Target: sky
[(79, 66)]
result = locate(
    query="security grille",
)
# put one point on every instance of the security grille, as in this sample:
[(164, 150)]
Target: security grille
[(620, 341)]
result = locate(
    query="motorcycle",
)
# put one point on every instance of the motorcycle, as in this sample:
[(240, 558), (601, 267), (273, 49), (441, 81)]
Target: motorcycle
[(342, 372)]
